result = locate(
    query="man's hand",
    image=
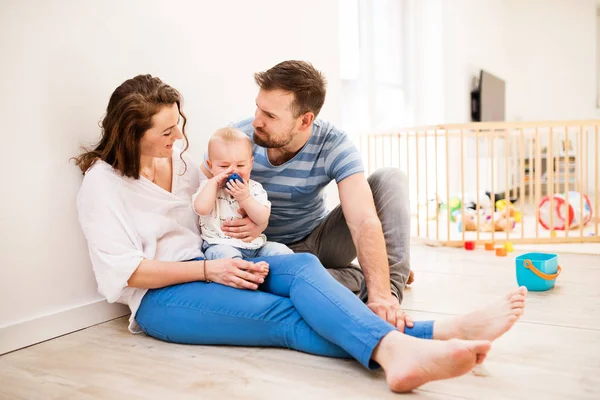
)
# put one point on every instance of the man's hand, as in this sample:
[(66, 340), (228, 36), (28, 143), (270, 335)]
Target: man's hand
[(389, 310), (242, 228), (238, 190)]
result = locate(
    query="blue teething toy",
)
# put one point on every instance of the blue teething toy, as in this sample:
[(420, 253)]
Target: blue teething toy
[(234, 177)]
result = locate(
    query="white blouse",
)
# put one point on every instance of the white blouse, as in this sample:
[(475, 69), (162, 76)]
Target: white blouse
[(126, 220)]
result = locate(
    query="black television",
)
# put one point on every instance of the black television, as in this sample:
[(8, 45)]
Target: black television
[(488, 98)]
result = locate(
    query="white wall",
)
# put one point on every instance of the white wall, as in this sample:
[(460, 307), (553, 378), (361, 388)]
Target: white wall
[(551, 45), (61, 61)]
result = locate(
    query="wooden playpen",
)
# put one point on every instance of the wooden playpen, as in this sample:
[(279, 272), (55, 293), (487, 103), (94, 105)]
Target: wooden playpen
[(541, 177)]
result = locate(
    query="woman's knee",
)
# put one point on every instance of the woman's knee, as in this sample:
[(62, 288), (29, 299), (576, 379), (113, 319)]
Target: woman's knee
[(307, 262)]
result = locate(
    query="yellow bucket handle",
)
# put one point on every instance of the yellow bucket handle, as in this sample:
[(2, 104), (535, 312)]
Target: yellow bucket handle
[(528, 264)]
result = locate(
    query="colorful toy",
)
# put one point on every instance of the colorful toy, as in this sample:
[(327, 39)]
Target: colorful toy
[(509, 209), (508, 246), (500, 252), (565, 217), (489, 246), (234, 177), (455, 206), (499, 222), (469, 245), (537, 271)]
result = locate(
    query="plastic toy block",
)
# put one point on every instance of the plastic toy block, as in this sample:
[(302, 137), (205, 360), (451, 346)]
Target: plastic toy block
[(508, 246), (489, 246), (469, 245), (500, 251)]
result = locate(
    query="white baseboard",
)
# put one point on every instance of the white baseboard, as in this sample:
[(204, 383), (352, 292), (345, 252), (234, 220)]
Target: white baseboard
[(26, 333)]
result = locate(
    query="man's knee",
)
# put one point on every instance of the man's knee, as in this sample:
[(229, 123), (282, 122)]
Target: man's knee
[(389, 176)]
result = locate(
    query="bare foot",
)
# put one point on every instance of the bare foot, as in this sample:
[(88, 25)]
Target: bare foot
[(410, 362), (487, 323)]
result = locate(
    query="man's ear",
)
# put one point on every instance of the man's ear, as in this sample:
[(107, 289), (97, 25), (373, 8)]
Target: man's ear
[(307, 120)]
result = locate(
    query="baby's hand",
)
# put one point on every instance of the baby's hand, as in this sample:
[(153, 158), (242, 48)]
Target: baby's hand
[(220, 178), (238, 190)]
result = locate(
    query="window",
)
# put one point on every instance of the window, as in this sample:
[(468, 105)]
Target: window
[(373, 59)]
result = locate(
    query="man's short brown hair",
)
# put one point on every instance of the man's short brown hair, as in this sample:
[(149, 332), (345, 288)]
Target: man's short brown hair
[(300, 78)]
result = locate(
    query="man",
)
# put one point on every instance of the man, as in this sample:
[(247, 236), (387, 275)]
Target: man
[(295, 156)]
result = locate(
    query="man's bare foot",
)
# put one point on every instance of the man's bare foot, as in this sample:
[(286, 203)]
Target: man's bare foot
[(487, 323), (410, 362), (411, 277)]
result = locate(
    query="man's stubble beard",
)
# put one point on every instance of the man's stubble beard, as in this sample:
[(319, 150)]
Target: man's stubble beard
[(270, 144)]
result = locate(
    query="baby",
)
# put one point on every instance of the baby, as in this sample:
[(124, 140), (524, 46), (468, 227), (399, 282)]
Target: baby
[(219, 199)]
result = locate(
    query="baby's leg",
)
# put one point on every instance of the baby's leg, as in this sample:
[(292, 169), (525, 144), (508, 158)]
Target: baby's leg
[(273, 249), (216, 251)]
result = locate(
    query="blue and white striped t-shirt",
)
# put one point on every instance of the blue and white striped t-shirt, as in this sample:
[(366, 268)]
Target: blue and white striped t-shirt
[(295, 188)]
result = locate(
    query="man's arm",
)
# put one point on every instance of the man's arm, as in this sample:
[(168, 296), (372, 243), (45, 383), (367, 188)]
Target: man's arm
[(359, 211)]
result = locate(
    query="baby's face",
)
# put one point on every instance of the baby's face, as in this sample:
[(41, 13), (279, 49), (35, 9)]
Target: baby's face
[(236, 153)]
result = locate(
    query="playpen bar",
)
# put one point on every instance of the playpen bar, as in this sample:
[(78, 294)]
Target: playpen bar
[(582, 191), (407, 158), (426, 189), (531, 175), (448, 185), (369, 155), (477, 180), (566, 176), (500, 125), (587, 163), (493, 194), (557, 172), (462, 183), (522, 182), (550, 178), (596, 194), (556, 240), (513, 168), (506, 192), (538, 177), (437, 220), (587, 169), (418, 179), (390, 152)]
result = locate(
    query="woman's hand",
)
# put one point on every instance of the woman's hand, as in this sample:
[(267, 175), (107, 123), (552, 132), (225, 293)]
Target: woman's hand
[(237, 273)]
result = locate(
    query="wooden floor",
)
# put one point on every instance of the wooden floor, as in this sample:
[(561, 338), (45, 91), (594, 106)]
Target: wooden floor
[(552, 353)]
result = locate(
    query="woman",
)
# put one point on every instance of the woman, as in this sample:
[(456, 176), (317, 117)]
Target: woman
[(135, 210)]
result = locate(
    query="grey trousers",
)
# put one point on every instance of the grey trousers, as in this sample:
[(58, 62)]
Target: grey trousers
[(332, 243)]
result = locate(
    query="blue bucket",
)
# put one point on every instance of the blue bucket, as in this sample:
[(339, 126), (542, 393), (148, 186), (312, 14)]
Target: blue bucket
[(537, 271)]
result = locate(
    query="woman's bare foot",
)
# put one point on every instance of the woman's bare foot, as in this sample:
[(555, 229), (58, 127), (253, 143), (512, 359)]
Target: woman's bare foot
[(410, 362), (487, 323)]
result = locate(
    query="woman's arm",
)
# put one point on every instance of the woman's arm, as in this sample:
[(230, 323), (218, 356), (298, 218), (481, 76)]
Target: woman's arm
[(152, 274)]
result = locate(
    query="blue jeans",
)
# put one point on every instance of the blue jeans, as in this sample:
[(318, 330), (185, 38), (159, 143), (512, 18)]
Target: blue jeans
[(299, 306), (216, 251)]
